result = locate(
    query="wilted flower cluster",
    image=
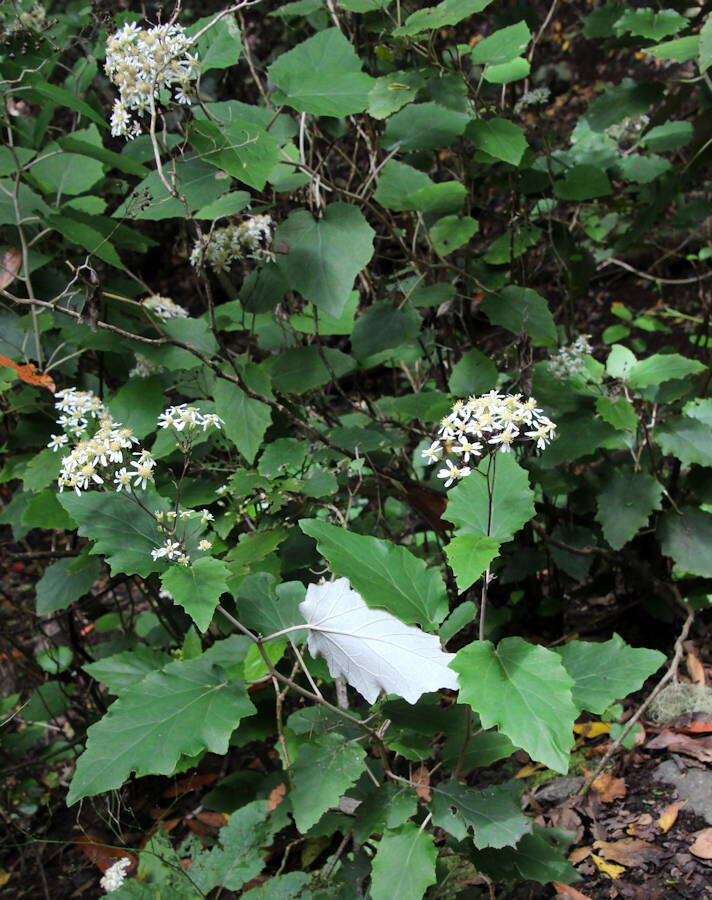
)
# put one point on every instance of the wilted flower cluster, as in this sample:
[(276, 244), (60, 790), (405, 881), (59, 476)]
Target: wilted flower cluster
[(32, 19), (142, 61), (251, 239), (174, 544), (164, 308), (532, 98), (568, 361), (144, 367), (114, 876), (483, 424)]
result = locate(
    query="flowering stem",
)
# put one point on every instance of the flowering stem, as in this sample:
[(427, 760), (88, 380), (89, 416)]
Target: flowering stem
[(491, 469)]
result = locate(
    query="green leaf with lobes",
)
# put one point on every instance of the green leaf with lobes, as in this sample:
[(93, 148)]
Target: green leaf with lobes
[(197, 587), (182, 710), (246, 419), (469, 555), (385, 574), (494, 814), (525, 691), (404, 864), (625, 503)]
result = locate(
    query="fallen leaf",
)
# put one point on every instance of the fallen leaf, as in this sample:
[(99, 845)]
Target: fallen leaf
[(609, 788), (190, 784), (607, 868), (214, 819), (101, 853), (276, 796), (578, 855), (628, 851), (199, 828), (699, 727), (668, 816), (529, 769), (695, 668), (592, 730), (422, 777), (566, 892), (27, 374), (699, 748), (9, 266), (702, 846), (371, 648)]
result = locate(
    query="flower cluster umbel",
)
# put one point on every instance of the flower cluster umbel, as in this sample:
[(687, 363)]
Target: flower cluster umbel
[(251, 239), (142, 61), (174, 538), (164, 308), (479, 425), (569, 360), (114, 876)]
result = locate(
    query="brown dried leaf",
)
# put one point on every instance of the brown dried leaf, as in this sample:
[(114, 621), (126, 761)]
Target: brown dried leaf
[(702, 846), (566, 892), (27, 374), (668, 816), (214, 819), (101, 853), (190, 784), (578, 855), (276, 796), (9, 266), (422, 777), (695, 669), (609, 788), (698, 748), (628, 851)]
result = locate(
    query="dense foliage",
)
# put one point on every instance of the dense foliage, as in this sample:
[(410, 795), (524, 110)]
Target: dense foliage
[(348, 349)]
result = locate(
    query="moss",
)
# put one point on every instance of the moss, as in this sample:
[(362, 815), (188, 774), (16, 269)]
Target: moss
[(679, 699)]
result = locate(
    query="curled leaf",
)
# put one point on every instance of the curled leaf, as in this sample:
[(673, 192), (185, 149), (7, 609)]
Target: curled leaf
[(371, 648), (9, 266)]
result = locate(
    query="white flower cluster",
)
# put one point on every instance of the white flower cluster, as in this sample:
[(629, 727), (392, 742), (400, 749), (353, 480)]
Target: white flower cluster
[(568, 361), (188, 418), (77, 407), (532, 98), (251, 239), (144, 367), (164, 308), (142, 61), (173, 546), (483, 424), (114, 876)]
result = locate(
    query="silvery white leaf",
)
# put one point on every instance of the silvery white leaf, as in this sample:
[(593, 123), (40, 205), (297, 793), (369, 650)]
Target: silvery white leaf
[(371, 648)]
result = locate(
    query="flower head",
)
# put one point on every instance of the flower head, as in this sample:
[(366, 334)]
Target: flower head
[(114, 876)]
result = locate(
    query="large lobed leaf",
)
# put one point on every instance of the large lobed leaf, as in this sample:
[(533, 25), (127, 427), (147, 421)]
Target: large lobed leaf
[(625, 503), (404, 864), (494, 814)]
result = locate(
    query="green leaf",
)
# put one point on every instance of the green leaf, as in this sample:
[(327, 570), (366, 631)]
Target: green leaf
[(583, 182), (687, 439), (63, 583), (385, 574), (322, 76), (246, 419), (499, 138), (401, 187), (138, 404), (522, 311), (76, 230), (324, 769), (450, 12), (197, 587), (504, 73), (404, 864), (65, 173), (512, 244), (512, 500), (475, 373), (393, 91), (382, 327), (533, 859), (679, 51), (266, 608), (700, 409), (648, 23), (43, 511), (666, 137), (325, 255), (687, 537), (608, 671), (59, 96), (310, 321), (424, 126), (121, 531), (196, 181), (123, 670), (220, 46), (244, 150), (183, 710), (450, 233), (705, 60), (240, 856), (494, 814), (661, 367), (302, 369), (525, 691), (469, 555), (618, 412), (625, 503), (643, 169), (620, 362), (227, 205), (502, 45)]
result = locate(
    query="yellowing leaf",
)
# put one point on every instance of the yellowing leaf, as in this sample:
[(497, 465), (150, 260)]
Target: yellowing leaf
[(610, 869), (592, 730), (668, 816)]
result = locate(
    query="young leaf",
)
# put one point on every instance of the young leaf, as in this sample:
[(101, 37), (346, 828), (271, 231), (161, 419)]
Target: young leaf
[(197, 587), (372, 649), (469, 555), (525, 691), (661, 367), (324, 256), (502, 45), (323, 771), (606, 672), (404, 864), (246, 419), (494, 814), (384, 574), (512, 500), (625, 503), (184, 709)]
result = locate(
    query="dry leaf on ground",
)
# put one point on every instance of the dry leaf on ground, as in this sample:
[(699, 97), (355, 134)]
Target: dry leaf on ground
[(28, 373), (668, 816), (592, 730), (607, 868), (566, 892), (578, 855), (100, 853), (698, 748), (629, 851), (609, 788), (702, 845)]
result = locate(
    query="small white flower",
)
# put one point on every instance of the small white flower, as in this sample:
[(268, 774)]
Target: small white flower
[(450, 472), (205, 545), (434, 452), (58, 441), (466, 448), (115, 875), (206, 516), (122, 480)]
